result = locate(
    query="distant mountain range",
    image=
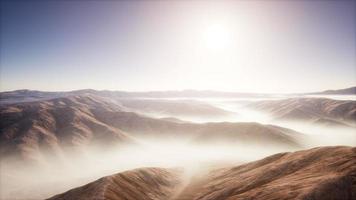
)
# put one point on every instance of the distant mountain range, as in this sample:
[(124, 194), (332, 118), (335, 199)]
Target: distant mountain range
[(33, 95)]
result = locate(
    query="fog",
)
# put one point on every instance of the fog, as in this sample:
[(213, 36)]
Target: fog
[(53, 177), (336, 97), (50, 177), (318, 135)]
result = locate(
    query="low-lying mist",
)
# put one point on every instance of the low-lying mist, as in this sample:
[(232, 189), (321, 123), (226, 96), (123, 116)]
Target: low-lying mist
[(318, 135), (57, 176), (43, 180)]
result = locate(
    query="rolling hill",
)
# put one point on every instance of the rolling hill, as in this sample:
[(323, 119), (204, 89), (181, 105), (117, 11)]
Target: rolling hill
[(318, 173), (56, 126), (173, 108), (145, 184), (51, 128), (341, 112)]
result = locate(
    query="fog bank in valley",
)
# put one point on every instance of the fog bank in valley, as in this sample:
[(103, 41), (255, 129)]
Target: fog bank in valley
[(48, 178), (21, 180)]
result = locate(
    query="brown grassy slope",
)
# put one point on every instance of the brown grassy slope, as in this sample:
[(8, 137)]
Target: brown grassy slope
[(309, 109), (139, 184), (327, 173), (53, 126)]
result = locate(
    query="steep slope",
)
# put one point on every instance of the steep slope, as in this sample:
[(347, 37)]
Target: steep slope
[(309, 109), (143, 184)]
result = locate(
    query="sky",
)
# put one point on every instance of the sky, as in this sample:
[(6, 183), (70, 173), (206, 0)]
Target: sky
[(242, 46)]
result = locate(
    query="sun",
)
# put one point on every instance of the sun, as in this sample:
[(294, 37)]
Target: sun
[(217, 36)]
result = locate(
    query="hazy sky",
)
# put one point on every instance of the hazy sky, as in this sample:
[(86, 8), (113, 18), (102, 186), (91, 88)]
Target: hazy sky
[(247, 46)]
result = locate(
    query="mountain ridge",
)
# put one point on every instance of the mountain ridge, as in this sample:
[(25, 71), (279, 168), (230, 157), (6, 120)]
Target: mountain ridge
[(7, 97)]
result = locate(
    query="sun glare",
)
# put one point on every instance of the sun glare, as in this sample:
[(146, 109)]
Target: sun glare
[(217, 36)]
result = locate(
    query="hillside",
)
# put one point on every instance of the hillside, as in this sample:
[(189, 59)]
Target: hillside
[(47, 129), (174, 108), (156, 107), (319, 173), (309, 109), (247, 132), (56, 126), (346, 91), (143, 184)]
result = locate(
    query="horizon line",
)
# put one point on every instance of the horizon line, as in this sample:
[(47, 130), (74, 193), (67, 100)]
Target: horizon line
[(177, 90)]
